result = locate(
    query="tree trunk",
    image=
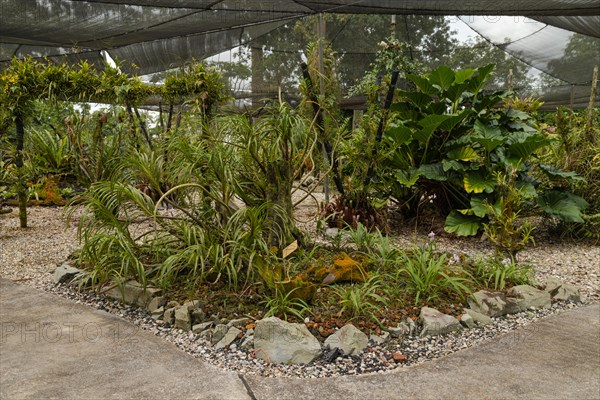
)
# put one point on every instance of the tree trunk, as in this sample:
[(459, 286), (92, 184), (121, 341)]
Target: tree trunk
[(21, 185), (258, 82), (279, 194)]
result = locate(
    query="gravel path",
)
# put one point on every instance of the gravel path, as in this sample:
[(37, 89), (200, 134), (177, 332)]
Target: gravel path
[(32, 254), (29, 256)]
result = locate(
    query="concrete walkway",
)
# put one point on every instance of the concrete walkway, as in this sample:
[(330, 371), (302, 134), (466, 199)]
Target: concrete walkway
[(53, 348)]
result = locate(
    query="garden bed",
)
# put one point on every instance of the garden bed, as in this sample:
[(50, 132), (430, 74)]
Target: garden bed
[(30, 255)]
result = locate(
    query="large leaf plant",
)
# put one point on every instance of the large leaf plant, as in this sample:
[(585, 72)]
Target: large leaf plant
[(450, 139)]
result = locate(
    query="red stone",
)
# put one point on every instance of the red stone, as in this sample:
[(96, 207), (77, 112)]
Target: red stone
[(398, 357)]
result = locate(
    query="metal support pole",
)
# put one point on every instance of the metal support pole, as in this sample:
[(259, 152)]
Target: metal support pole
[(590, 111), (510, 80), (572, 101), (321, 38), (393, 27)]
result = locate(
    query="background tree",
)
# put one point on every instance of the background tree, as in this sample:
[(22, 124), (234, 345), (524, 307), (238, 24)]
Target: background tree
[(479, 52), (276, 56), (581, 54)]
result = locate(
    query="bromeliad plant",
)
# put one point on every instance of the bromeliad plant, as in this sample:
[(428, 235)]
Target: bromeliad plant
[(451, 139)]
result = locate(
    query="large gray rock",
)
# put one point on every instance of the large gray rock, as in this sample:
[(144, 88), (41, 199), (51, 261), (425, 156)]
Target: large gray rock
[(154, 304), (201, 327), (158, 314), (248, 340), (239, 322), (563, 291), (492, 304), (169, 315), (230, 336), (134, 293), (380, 339), (410, 324), (479, 318), (467, 321), (398, 331), (349, 339), (197, 315), (65, 273), (218, 333), (281, 342), (247, 343), (529, 297), (183, 319), (552, 284), (437, 323)]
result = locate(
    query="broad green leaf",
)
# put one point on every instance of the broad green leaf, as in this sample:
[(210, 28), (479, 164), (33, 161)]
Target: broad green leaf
[(563, 205), (438, 108), (408, 177), (463, 154), (379, 202), (442, 76), (419, 99), (527, 190), (518, 114), (424, 135), (477, 81), (479, 205), (400, 134), (434, 120), (483, 105), (452, 165), (479, 182), (458, 92), (422, 83), (405, 111), (521, 126), (463, 74), (454, 120), (522, 145), (430, 123), (489, 137), (462, 225), (554, 173), (435, 172)]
